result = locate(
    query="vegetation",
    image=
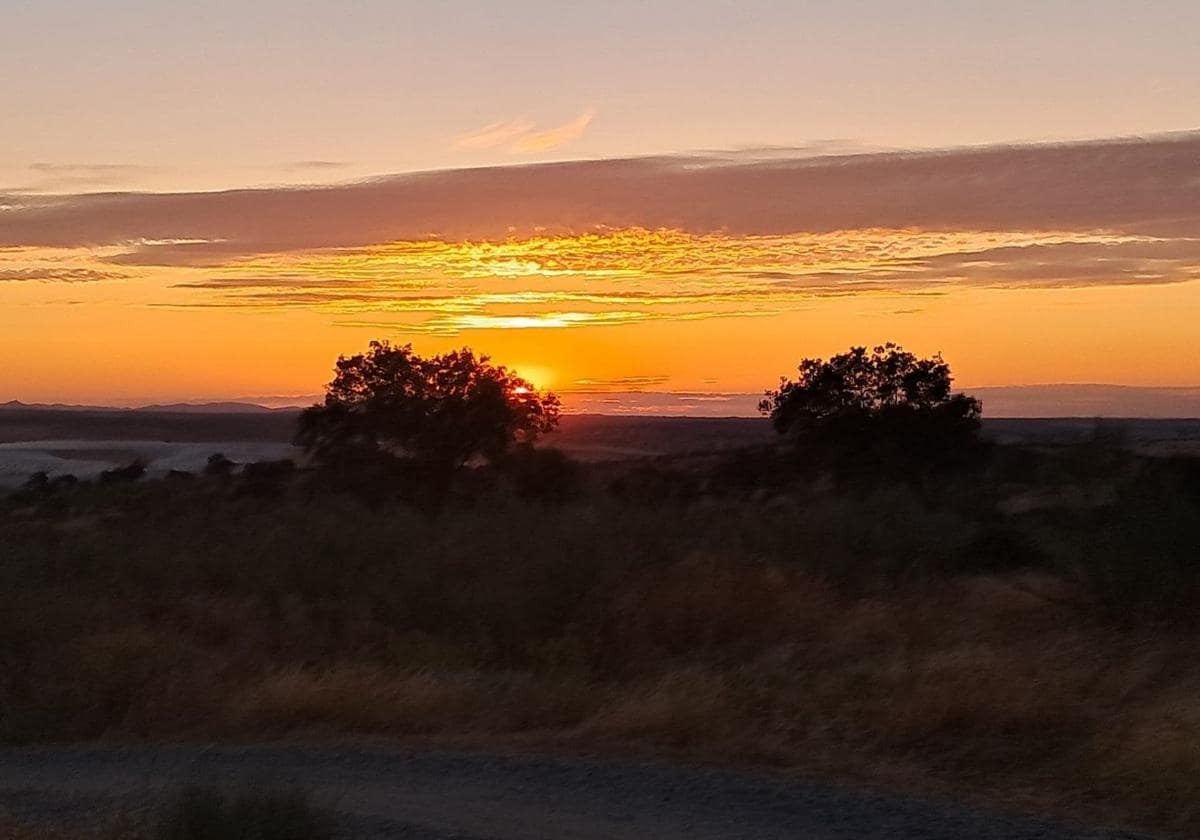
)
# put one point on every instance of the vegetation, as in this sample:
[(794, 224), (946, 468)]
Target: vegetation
[(443, 411), (205, 813), (201, 813), (1024, 628), (876, 410), (1022, 622)]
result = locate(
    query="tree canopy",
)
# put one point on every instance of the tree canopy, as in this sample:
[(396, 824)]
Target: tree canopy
[(442, 411), (884, 398)]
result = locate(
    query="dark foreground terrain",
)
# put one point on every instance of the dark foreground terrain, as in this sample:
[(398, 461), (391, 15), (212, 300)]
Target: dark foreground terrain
[(1020, 631), (424, 795)]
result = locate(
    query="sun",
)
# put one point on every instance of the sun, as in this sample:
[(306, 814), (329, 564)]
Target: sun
[(537, 378)]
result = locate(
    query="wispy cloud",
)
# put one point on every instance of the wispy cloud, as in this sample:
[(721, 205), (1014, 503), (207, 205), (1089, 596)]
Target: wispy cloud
[(521, 136), (673, 267), (1149, 187), (312, 165), (620, 383), (51, 265), (454, 324), (56, 275), (90, 170), (494, 134), (553, 138), (58, 177), (621, 242)]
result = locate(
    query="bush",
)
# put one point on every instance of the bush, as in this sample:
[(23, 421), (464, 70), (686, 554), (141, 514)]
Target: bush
[(267, 478), (218, 465), (544, 475), (1141, 559), (656, 484), (123, 475)]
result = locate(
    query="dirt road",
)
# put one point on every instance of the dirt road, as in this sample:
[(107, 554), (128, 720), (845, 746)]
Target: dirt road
[(428, 795)]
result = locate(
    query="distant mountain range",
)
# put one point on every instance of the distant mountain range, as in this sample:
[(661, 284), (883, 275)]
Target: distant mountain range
[(1088, 401), (167, 408), (1034, 401)]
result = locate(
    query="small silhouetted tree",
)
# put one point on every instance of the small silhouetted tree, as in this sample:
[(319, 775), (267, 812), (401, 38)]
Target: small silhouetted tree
[(438, 413), (885, 405)]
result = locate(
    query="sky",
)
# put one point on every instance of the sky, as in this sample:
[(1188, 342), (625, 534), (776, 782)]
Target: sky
[(214, 200)]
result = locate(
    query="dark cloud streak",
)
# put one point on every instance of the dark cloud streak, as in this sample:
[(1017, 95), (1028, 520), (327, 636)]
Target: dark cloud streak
[(1146, 186), (56, 275)]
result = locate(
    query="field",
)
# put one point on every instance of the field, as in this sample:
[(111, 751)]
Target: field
[(1021, 632)]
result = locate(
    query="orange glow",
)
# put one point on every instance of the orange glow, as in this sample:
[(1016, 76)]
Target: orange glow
[(602, 309)]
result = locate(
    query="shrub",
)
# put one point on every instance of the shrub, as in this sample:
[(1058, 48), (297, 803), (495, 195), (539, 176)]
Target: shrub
[(1141, 559), (218, 465), (544, 475), (123, 475), (655, 484), (267, 478)]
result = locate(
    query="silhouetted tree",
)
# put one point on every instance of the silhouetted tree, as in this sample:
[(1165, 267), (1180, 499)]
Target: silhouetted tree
[(439, 412), (880, 406)]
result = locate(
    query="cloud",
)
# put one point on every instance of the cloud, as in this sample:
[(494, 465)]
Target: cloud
[(633, 402), (87, 169), (522, 136), (56, 275), (675, 269), (57, 177), (494, 134), (313, 164), (1149, 187), (620, 383), (544, 141), (617, 242), (453, 324)]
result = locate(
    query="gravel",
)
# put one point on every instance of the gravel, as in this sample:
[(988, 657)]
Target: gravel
[(427, 795)]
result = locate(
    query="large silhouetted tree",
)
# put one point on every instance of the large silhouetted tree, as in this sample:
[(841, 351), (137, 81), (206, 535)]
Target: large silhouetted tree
[(439, 412), (885, 402)]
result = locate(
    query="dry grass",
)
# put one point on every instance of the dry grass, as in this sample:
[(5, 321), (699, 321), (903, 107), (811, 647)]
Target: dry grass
[(829, 634), (118, 828), (370, 699), (973, 686)]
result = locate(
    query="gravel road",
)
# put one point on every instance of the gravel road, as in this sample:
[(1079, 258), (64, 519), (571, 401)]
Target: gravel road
[(430, 795)]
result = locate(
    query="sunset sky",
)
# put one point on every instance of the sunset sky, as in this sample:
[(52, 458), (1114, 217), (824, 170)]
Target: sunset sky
[(210, 201)]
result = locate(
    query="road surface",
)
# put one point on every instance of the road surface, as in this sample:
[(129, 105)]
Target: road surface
[(430, 795)]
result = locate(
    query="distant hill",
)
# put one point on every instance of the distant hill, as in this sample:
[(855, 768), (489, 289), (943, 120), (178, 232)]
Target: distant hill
[(228, 407), (209, 408), (1089, 401), (1030, 401), (17, 405)]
